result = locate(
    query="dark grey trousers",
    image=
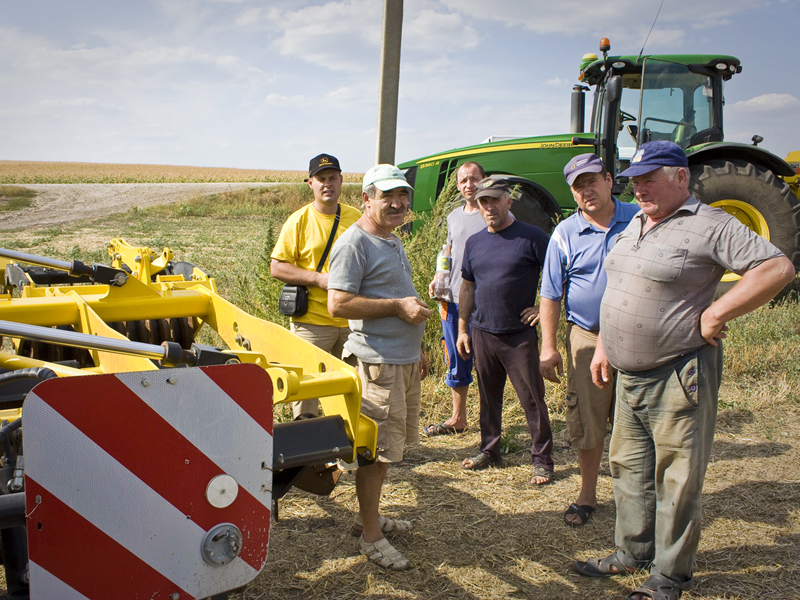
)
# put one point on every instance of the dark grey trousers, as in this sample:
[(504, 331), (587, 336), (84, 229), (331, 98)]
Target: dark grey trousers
[(660, 447), (516, 356)]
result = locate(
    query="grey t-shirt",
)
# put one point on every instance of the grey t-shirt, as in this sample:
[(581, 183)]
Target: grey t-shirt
[(460, 226), (370, 266), (661, 281)]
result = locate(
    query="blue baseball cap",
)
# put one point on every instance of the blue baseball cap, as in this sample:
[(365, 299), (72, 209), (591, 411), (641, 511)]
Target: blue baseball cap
[(654, 155), (583, 163)]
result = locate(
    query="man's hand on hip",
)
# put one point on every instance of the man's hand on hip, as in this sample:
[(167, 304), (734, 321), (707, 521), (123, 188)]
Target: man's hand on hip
[(530, 315), (413, 310), (322, 281), (712, 330), (551, 365)]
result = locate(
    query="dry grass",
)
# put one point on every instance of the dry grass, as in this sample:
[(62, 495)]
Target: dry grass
[(20, 172), (491, 535)]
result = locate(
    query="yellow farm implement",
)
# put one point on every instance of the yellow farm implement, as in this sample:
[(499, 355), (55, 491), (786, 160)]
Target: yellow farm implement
[(130, 426)]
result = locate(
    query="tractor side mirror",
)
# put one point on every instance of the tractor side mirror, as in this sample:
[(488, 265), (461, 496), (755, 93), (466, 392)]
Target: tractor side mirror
[(614, 89)]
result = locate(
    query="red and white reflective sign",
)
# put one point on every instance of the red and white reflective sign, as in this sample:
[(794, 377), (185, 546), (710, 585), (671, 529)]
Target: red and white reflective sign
[(126, 474)]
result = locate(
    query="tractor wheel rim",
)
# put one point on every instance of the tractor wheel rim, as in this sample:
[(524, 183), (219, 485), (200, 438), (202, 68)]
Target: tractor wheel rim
[(749, 216)]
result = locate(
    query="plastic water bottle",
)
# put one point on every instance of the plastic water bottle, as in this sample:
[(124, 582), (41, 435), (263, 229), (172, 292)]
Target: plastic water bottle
[(441, 281)]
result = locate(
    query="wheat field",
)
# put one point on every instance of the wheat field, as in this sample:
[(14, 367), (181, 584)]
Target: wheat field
[(22, 172)]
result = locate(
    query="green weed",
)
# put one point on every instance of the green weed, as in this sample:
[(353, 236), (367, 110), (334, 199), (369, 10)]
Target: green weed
[(14, 197)]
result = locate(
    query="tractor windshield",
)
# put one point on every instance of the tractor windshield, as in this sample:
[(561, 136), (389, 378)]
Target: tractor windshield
[(676, 103)]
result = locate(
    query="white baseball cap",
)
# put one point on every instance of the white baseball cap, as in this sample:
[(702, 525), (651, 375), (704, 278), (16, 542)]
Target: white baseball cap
[(385, 178)]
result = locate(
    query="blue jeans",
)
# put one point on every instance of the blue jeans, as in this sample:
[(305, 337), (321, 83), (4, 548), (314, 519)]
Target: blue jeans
[(663, 430), (459, 370)]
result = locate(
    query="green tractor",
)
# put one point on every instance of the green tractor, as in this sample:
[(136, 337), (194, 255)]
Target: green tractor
[(637, 99)]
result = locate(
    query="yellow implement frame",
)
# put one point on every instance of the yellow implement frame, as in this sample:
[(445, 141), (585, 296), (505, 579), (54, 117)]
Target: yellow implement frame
[(299, 370)]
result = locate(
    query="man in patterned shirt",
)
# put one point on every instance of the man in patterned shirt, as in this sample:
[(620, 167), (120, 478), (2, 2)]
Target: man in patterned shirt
[(661, 329)]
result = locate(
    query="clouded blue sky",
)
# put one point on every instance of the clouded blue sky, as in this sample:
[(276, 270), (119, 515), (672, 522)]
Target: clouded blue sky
[(268, 84)]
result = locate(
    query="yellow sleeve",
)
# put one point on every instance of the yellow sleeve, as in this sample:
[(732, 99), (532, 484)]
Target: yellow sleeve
[(286, 247)]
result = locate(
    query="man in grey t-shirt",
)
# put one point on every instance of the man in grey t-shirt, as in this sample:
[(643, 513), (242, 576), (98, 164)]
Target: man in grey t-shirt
[(661, 329), (370, 285), (462, 223)]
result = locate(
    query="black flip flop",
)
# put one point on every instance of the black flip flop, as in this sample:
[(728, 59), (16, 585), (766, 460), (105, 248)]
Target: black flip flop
[(584, 512), (441, 429)]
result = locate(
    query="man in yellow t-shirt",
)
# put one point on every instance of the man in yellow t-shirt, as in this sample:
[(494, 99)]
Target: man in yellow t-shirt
[(298, 252)]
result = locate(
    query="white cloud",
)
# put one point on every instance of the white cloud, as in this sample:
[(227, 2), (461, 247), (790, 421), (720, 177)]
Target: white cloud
[(278, 100), (556, 81), (625, 22), (336, 35), (431, 31), (248, 17), (346, 35), (767, 102), (59, 102)]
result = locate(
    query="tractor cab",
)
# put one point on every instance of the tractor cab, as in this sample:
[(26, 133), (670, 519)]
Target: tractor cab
[(666, 97)]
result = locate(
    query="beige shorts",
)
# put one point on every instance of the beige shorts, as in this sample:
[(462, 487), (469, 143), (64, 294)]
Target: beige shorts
[(329, 338), (391, 395), (588, 407)]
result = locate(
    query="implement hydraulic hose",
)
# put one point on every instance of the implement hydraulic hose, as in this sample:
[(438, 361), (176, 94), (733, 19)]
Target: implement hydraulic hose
[(41, 373)]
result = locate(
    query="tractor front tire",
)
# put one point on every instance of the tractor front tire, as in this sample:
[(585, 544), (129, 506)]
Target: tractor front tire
[(755, 196)]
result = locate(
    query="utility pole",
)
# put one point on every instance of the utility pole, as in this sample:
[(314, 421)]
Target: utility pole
[(390, 80)]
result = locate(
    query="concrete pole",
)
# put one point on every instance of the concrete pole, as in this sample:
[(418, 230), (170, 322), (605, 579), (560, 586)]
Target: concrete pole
[(390, 80)]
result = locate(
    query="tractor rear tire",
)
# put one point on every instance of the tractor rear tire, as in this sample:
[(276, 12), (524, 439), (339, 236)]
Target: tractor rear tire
[(532, 207), (755, 196)]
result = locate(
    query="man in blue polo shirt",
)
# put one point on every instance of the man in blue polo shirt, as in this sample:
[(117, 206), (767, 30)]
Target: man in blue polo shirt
[(574, 271)]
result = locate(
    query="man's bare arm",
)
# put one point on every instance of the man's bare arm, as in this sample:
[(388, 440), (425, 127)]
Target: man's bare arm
[(466, 304), (551, 365), (294, 275), (600, 368), (756, 287), (347, 305)]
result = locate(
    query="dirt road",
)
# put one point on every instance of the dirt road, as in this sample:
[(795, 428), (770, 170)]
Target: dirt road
[(57, 203)]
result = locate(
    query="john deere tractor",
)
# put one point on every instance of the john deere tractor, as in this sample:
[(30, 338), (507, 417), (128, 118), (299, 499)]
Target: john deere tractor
[(637, 99)]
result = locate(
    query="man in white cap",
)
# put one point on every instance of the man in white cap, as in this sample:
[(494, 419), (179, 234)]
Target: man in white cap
[(370, 284)]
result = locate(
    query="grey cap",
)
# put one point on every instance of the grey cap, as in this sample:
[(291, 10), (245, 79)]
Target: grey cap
[(491, 186), (583, 163)]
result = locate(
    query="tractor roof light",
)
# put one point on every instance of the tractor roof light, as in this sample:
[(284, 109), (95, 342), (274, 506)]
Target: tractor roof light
[(605, 45), (618, 65), (722, 66)]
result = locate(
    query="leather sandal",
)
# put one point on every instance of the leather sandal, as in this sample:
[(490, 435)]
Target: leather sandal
[(610, 566), (545, 474), (480, 461), (656, 587), (387, 525), (383, 554)]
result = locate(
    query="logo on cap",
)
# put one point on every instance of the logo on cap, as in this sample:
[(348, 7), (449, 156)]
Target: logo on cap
[(489, 183), (578, 164)]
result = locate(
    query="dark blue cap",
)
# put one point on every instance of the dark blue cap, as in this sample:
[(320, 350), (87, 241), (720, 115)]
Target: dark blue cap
[(583, 163), (654, 155)]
